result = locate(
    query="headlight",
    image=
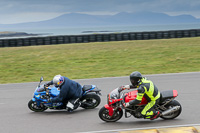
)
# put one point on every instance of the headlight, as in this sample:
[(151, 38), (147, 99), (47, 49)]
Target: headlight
[(114, 96)]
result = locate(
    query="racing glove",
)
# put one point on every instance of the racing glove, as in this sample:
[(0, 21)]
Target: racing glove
[(49, 83), (124, 87), (126, 105), (49, 100)]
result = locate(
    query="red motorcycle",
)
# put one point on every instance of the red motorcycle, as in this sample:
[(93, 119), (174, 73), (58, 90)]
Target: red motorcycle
[(113, 110)]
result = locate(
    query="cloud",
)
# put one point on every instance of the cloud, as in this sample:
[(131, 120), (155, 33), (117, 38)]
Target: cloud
[(25, 17), (21, 8), (98, 5)]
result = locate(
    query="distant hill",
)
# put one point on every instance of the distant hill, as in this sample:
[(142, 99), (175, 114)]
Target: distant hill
[(15, 34), (123, 18)]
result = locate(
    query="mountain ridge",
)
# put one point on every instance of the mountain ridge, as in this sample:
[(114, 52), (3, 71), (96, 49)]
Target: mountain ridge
[(119, 19)]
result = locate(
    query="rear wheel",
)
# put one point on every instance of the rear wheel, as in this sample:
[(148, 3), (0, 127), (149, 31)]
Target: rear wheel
[(104, 115), (174, 114), (34, 107), (90, 101)]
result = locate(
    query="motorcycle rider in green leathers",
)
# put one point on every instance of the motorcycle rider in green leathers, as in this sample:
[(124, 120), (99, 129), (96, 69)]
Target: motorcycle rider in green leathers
[(147, 89)]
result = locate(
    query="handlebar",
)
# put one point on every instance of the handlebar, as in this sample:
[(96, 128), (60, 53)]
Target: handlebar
[(123, 100), (42, 88)]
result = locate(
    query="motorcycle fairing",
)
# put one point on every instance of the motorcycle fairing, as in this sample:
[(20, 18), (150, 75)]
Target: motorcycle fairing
[(50, 105), (132, 96), (110, 109), (33, 99), (112, 101), (37, 101), (55, 91), (38, 94)]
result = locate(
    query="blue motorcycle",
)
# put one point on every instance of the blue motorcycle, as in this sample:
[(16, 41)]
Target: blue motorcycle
[(89, 100)]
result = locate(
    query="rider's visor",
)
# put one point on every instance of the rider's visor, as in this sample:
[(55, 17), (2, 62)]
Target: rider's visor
[(59, 82), (132, 81)]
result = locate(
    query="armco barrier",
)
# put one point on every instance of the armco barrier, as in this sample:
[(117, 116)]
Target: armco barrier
[(48, 40)]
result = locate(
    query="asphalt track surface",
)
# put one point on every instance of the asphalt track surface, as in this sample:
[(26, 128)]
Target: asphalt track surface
[(15, 117)]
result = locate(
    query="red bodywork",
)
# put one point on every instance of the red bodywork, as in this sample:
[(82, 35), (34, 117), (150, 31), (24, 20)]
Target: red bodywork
[(175, 93), (132, 95), (129, 97)]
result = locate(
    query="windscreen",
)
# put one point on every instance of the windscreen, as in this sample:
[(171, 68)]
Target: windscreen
[(114, 94), (40, 88)]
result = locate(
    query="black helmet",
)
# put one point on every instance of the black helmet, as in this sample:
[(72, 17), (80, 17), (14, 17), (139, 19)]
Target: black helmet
[(135, 77)]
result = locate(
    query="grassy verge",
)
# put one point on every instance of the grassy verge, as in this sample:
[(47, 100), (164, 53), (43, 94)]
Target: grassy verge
[(99, 59)]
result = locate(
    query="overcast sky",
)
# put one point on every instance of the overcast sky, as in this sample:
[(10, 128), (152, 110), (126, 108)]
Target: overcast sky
[(17, 11)]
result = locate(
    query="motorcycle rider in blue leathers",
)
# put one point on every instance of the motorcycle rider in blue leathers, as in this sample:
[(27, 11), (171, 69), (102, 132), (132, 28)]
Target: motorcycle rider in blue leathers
[(70, 92)]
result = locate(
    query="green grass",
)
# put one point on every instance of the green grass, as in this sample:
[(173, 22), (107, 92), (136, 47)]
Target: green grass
[(99, 59)]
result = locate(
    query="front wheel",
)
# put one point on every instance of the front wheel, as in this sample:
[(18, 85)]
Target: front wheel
[(104, 115), (174, 114), (33, 106), (90, 101)]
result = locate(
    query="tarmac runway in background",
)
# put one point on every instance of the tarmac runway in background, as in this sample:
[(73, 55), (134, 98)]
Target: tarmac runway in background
[(15, 116)]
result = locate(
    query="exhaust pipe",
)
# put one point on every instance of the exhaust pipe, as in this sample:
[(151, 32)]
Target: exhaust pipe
[(171, 110)]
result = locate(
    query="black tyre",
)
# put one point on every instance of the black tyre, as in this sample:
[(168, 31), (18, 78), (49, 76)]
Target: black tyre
[(174, 114), (90, 101), (33, 106), (104, 115)]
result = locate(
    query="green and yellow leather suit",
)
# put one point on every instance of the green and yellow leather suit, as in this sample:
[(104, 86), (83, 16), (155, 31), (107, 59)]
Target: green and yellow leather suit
[(147, 89)]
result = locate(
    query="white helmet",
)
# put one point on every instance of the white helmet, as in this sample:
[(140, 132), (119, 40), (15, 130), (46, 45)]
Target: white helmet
[(58, 80)]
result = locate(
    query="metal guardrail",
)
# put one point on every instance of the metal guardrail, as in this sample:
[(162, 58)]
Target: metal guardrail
[(49, 40)]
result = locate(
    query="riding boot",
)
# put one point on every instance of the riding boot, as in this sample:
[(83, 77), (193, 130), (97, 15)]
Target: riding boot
[(77, 104), (73, 104), (155, 116)]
